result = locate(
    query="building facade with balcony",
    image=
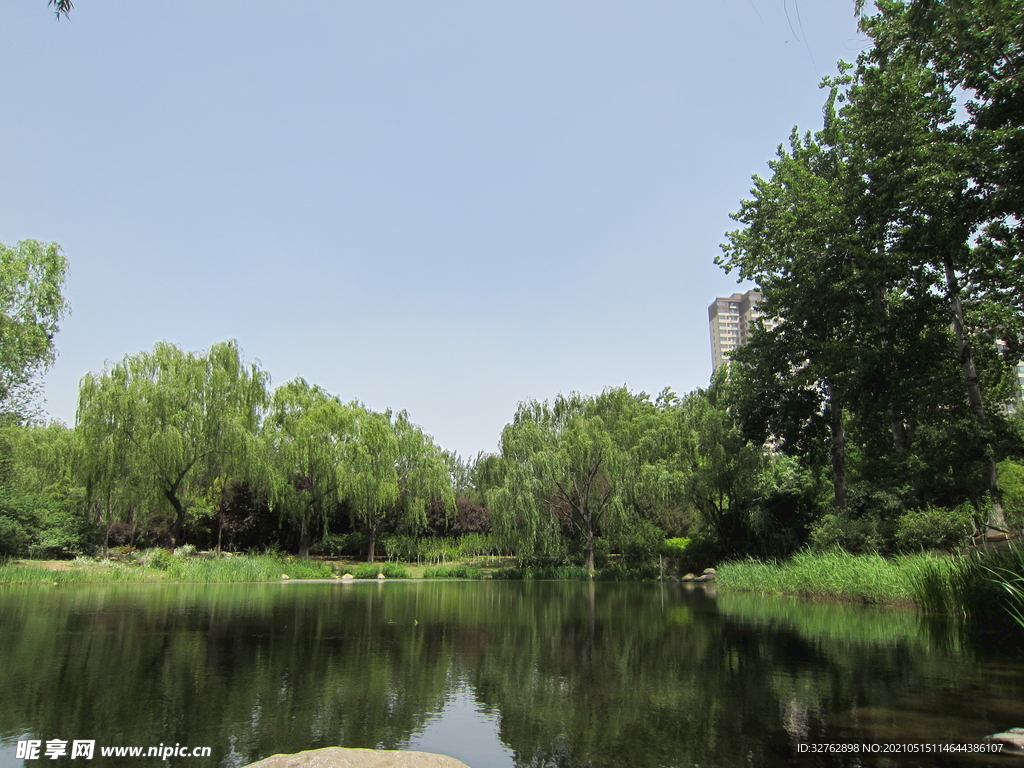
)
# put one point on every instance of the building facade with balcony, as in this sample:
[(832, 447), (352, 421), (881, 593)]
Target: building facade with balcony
[(732, 320)]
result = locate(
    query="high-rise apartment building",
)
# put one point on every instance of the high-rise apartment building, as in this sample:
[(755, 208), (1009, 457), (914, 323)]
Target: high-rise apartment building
[(731, 320)]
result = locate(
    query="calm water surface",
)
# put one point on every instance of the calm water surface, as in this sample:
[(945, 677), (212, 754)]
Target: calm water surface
[(495, 674)]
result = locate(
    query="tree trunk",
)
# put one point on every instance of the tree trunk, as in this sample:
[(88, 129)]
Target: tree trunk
[(373, 545), (588, 552), (900, 438), (996, 515), (220, 529), (174, 534), (967, 366), (305, 539), (838, 454)]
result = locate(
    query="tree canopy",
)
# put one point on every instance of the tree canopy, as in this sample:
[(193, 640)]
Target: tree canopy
[(159, 427), (31, 306)]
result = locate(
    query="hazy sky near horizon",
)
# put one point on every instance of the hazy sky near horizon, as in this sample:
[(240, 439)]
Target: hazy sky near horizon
[(445, 207)]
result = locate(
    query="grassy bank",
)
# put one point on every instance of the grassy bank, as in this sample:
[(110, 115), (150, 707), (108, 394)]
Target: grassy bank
[(985, 586), (242, 568), (160, 566), (835, 574)]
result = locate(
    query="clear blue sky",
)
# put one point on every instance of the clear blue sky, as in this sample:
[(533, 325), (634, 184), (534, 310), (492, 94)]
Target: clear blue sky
[(446, 207)]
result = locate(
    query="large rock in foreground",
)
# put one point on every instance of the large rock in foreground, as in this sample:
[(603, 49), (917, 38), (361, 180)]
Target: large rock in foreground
[(339, 757)]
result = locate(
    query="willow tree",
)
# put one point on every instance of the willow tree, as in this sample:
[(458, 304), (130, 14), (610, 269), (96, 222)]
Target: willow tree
[(395, 471), (159, 427), (310, 435), (31, 306), (565, 472)]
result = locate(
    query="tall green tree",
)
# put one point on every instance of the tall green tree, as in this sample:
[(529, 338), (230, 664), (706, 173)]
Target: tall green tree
[(165, 424), (31, 306), (566, 470), (862, 241), (395, 472), (310, 436)]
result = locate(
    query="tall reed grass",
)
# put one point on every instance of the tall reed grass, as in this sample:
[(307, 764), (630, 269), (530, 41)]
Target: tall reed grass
[(986, 587), (245, 568), (834, 574), (25, 573)]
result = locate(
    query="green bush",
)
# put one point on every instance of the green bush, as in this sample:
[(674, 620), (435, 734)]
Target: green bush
[(628, 573), (156, 558), (390, 569), (452, 572), (639, 544), (854, 535), (674, 547), (1011, 480), (14, 539), (703, 551), (935, 528)]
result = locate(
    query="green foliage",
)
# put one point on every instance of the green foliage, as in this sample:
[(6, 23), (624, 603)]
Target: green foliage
[(309, 437), (867, 240), (391, 570), (694, 456), (452, 572), (157, 558), (31, 306), (475, 545), (639, 543), (340, 545), (984, 588), (11, 573), (565, 473), (397, 470), (549, 573), (851, 534), (40, 500), (675, 547), (158, 429), (15, 540), (244, 568), (1011, 480), (836, 574), (935, 528), (622, 572)]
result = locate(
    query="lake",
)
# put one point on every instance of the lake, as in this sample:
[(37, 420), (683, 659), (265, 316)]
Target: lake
[(497, 674)]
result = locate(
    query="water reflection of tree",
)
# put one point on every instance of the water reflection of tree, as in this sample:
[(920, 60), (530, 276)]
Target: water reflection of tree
[(579, 674)]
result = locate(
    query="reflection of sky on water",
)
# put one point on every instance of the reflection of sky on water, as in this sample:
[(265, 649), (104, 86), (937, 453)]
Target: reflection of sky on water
[(463, 730), (8, 750)]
